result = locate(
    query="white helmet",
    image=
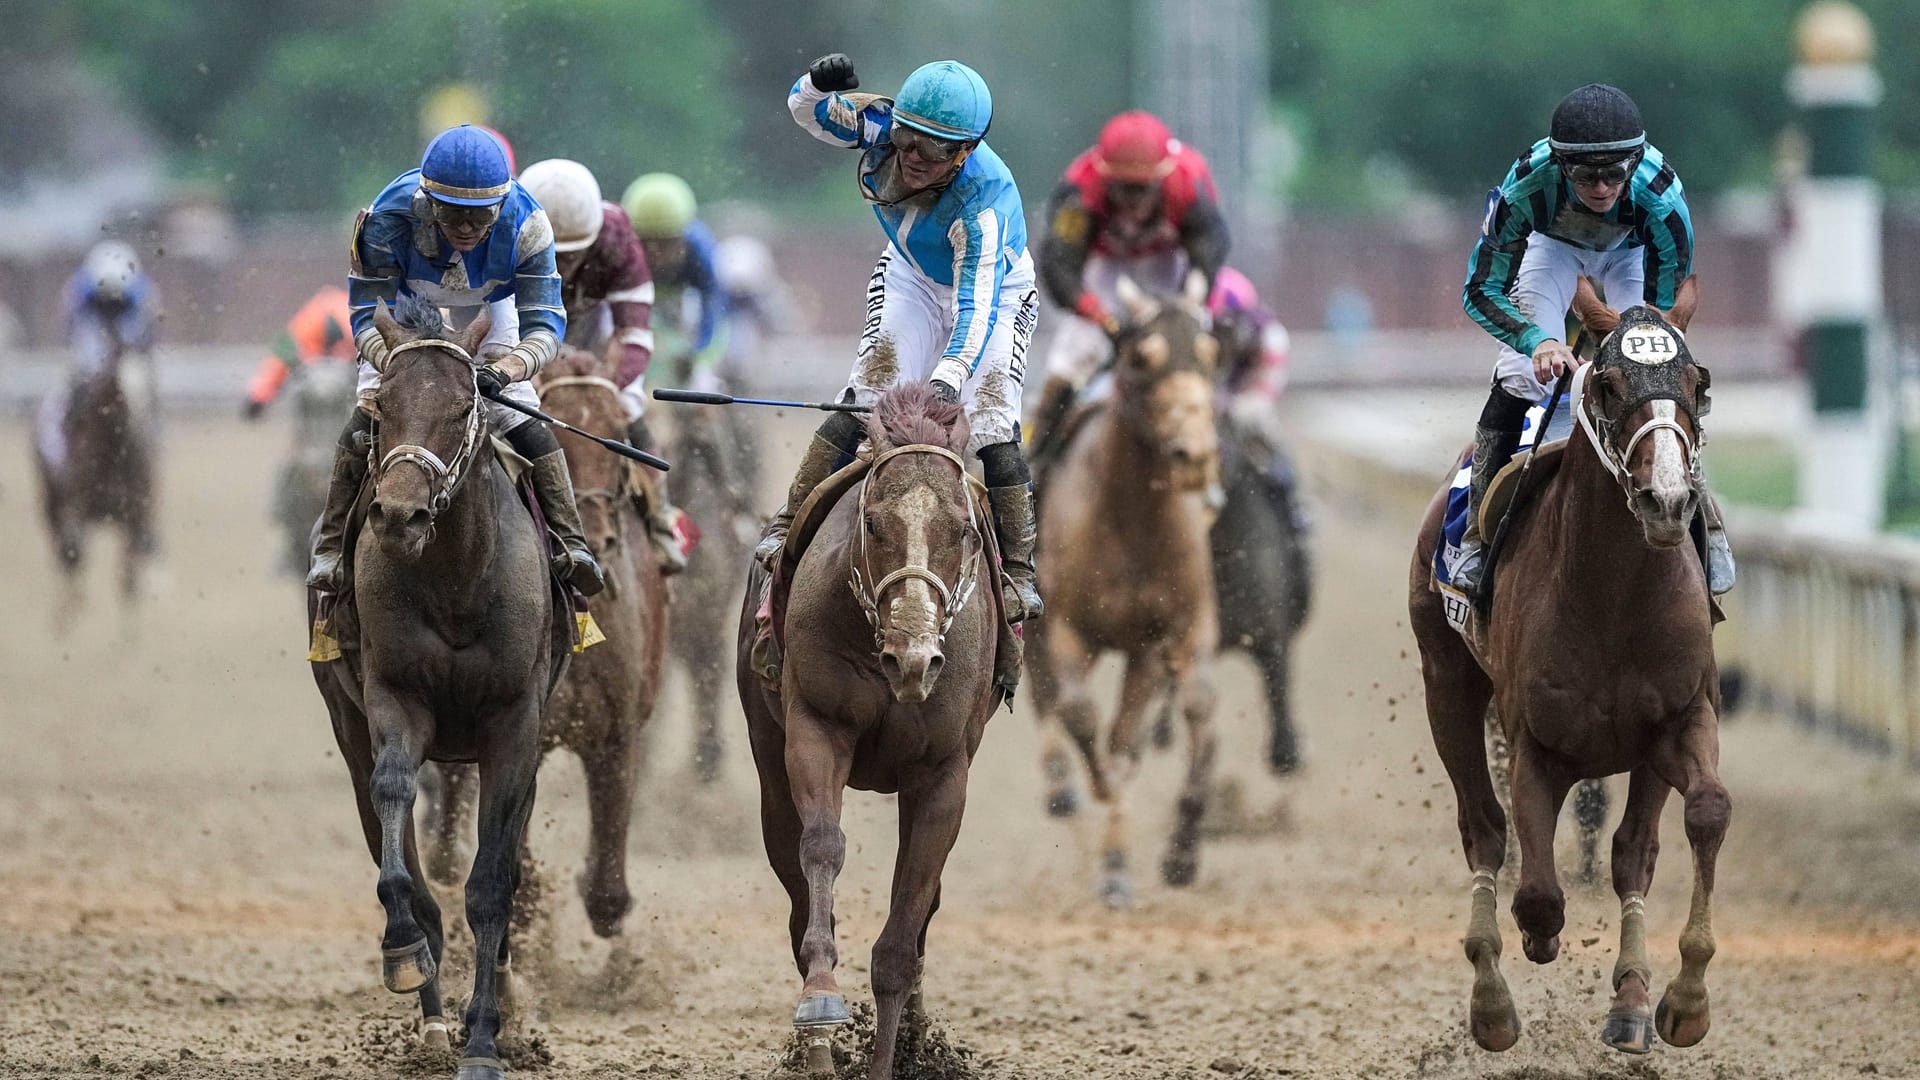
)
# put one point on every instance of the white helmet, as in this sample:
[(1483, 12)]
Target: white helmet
[(111, 268), (744, 265), (571, 196)]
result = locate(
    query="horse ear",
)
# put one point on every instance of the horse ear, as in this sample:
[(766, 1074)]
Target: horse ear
[(476, 332), (1686, 301), (1140, 308), (1593, 312), (1196, 291), (383, 321)]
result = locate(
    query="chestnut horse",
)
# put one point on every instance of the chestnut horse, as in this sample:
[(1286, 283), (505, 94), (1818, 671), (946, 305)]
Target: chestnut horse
[(1598, 656), (887, 686), (456, 656), (1127, 566)]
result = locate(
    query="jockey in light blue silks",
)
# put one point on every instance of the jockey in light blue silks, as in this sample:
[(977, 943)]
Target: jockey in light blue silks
[(952, 299), (462, 234)]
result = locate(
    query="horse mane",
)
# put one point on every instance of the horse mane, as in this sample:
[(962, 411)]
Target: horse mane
[(911, 414), (419, 316), (573, 361)]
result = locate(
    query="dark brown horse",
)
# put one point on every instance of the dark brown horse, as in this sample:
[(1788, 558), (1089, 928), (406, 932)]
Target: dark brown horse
[(454, 661), (94, 447), (887, 686), (1598, 656), (1128, 567)]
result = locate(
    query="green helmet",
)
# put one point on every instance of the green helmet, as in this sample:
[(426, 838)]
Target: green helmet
[(661, 206)]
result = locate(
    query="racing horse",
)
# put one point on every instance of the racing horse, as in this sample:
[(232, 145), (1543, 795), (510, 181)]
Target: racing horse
[(887, 685), (1598, 656), (716, 499), (455, 659), (1128, 565), (94, 449)]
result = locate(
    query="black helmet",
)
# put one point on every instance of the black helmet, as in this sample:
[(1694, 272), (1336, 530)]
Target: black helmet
[(1596, 125)]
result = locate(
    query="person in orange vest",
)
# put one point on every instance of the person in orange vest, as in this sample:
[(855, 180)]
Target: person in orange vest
[(320, 332)]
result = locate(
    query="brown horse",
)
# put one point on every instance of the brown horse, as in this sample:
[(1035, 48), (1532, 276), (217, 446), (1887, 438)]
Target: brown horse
[(455, 660), (880, 599), (94, 449), (1124, 520), (1598, 656), (717, 499)]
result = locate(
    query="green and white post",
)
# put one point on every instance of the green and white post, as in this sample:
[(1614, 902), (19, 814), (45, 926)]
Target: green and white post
[(1836, 267)]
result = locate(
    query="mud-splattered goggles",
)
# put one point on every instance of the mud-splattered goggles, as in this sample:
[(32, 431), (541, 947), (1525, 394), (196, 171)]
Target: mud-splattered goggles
[(464, 218), (926, 147)]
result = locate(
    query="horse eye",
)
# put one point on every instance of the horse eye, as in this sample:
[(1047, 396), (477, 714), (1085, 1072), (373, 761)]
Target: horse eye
[(873, 525)]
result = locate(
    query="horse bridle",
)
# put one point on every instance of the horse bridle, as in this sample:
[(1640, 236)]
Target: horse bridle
[(954, 599), (1616, 460), (611, 496), (442, 476)]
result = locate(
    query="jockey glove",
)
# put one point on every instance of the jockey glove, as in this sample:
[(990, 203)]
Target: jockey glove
[(833, 72), (949, 375), (946, 392), (491, 380)]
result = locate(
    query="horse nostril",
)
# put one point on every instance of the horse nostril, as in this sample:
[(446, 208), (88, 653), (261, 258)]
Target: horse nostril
[(890, 667), (933, 669)]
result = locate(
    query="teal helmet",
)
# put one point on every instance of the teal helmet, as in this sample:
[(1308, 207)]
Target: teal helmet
[(946, 99)]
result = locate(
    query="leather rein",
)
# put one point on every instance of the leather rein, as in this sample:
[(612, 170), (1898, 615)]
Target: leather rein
[(953, 599)]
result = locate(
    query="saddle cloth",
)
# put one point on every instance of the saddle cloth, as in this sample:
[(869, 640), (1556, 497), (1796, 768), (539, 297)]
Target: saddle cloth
[(1453, 521)]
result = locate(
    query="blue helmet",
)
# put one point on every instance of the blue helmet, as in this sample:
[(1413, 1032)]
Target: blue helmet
[(946, 99), (466, 166)]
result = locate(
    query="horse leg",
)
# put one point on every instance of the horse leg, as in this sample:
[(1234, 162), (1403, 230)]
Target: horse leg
[(426, 912), (1073, 715), (1590, 814), (930, 815), (780, 825), (1539, 905), (402, 731), (509, 760), (1692, 765), (1145, 676), (708, 745), (1457, 695), (1629, 1026), (1273, 655), (1197, 702), (818, 761), (450, 798), (612, 770)]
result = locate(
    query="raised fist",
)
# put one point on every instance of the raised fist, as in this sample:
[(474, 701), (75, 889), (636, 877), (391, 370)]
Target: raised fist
[(833, 72)]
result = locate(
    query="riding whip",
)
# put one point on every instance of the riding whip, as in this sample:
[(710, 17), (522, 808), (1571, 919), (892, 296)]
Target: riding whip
[(614, 445), (701, 397), (1485, 596)]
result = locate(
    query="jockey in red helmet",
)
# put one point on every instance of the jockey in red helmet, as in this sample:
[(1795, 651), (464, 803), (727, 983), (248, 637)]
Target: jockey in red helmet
[(1139, 203)]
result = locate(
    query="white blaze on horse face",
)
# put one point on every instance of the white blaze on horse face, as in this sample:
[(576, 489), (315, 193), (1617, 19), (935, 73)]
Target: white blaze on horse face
[(1669, 480), (914, 612)]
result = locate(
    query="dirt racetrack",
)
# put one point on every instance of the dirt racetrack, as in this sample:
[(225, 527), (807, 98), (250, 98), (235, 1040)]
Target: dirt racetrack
[(184, 892)]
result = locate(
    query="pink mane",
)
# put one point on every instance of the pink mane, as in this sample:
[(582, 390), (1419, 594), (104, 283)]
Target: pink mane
[(910, 414)]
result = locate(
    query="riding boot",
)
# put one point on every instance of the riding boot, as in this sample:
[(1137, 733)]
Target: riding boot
[(667, 525), (577, 566), (1056, 403), (1017, 527), (1491, 450), (1720, 571), (325, 568), (837, 437)]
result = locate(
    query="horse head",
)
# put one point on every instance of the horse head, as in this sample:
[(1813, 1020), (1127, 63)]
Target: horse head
[(916, 548), (430, 419), (1640, 403), (1164, 361), (579, 388)]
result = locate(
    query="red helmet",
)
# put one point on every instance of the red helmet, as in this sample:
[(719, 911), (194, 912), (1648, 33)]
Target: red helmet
[(1135, 148)]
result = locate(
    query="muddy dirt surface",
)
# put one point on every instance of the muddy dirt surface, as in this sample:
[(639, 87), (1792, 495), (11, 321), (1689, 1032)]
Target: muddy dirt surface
[(185, 892)]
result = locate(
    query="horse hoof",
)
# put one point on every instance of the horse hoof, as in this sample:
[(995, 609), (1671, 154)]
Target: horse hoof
[(1677, 1029), (1540, 950), (1116, 892), (1063, 803), (1629, 1031), (408, 968), (1494, 1021), (433, 1033), (481, 1068), (820, 1055), (1180, 868), (820, 1010), (1283, 758)]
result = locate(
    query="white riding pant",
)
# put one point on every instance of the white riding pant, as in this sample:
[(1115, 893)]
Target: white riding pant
[(504, 335), (1543, 291), (1080, 347), (910, 318)]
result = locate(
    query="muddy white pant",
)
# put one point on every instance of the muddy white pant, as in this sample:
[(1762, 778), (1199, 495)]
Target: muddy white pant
[(1543, 290), (910, 317), (1079, 347), (504, 335)]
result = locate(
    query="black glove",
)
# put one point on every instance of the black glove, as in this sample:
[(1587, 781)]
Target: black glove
[(491, 380), (833, 72), (945, 391), (252, 409)]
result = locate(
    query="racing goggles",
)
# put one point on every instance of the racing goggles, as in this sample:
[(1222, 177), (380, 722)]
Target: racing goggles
[(464, 218), (1590, 172), (925, 147)]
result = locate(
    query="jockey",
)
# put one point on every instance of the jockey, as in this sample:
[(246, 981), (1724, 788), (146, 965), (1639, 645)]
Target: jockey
[(952, 299), (109, 299), (680, 249), (1139, 203), (320, 332), (1253, 372), (1594, 198), (461, 233), (608, 292)]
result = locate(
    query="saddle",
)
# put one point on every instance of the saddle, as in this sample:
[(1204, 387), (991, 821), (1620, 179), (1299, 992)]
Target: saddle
[(770, 633), (336, 624)]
